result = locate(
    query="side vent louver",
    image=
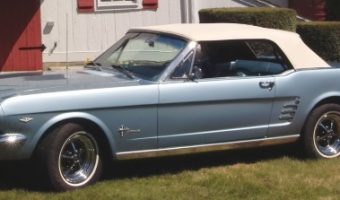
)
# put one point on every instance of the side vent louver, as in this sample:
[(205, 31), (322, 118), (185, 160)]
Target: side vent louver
[(289, 109)]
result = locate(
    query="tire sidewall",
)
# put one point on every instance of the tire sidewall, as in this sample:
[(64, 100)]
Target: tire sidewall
[(52, 147), (309, 130)]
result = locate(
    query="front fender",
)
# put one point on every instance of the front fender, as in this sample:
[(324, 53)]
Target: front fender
[(73, 115)]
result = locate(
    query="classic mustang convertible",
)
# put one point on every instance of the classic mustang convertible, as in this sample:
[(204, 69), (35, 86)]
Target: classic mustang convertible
[(168, 90)]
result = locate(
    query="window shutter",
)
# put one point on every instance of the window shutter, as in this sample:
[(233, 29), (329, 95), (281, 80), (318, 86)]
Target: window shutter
[(150, 4), (85, 5)]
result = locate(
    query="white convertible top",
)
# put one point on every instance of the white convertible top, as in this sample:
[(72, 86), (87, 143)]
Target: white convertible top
[(291, 44)]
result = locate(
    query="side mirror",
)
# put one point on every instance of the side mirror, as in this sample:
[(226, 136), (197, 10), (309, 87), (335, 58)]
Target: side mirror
[(196, 73)]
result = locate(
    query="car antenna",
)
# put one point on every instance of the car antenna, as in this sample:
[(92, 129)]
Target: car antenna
[(66, 56)]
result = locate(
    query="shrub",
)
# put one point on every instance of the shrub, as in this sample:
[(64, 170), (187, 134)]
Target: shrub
[(278, 18), (332, 9), (322, 37)]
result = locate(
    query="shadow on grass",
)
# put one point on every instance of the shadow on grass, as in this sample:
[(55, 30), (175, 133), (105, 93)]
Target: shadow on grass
[(24, 175)]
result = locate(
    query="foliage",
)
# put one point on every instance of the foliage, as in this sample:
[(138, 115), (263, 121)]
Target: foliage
[(278, 18), (322, 37), (332, 10)]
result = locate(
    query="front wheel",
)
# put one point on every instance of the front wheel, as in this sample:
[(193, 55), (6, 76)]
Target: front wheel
[(70, 155), (322, 132)]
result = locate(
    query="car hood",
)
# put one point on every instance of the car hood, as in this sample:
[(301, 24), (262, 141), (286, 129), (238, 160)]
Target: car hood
[(13, 85)]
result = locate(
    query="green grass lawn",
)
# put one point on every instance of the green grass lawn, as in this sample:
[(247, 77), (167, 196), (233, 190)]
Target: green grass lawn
[(268, 173)]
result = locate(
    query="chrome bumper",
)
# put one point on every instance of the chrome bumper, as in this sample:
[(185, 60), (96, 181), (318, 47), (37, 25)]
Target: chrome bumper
[(10, 144)]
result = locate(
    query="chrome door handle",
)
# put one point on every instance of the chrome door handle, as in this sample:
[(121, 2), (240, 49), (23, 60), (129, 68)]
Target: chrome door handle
[(267, 84)]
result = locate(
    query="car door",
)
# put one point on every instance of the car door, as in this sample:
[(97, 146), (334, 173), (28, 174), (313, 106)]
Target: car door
[(228, 97), (214, 110)]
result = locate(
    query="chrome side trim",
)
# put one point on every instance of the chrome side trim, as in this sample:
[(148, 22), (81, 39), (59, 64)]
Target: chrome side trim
[(225, 130), (215, 131), (206, 147), (279, 125)]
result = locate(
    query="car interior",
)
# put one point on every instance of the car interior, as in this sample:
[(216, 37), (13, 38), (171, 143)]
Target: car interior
[(239, 58)]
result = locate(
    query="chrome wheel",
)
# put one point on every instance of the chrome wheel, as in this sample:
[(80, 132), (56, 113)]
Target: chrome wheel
[(78, 159), (326, 135)]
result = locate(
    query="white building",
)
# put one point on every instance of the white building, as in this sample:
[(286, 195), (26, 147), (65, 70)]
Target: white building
[(85, 28)]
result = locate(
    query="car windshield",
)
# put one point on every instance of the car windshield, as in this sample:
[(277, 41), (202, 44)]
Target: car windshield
[(143, 55)]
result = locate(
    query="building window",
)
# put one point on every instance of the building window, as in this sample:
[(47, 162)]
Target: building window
[(118, 4)]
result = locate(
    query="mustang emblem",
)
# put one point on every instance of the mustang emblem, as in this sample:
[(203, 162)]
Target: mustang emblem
[(125, 130), (26, 119)]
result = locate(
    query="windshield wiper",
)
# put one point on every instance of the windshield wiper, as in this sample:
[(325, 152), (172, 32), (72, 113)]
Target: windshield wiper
[(124, 71), (94, 65)]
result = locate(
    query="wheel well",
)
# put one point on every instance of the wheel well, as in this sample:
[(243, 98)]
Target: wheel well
[(329, 100), (334, 99), (97, 132)]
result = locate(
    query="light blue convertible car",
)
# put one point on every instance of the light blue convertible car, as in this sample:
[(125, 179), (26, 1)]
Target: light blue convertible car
[(168, 90)]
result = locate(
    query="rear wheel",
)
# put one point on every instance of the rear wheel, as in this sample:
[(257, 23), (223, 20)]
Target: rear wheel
[(322, 132), (71, 157)]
